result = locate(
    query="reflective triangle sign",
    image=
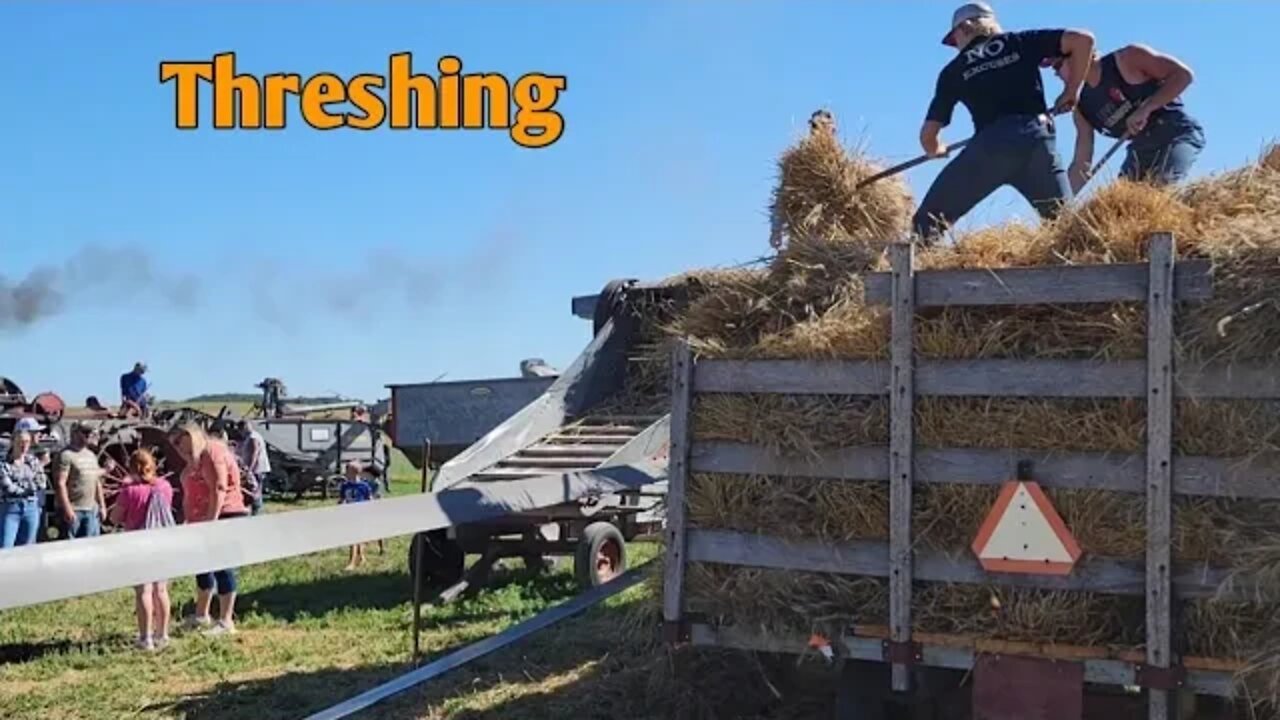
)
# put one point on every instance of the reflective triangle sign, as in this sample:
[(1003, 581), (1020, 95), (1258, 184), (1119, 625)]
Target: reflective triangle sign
[(1024, 534)]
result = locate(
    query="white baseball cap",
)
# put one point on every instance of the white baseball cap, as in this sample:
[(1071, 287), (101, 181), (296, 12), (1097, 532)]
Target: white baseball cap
[(28, 424), (968, 11)]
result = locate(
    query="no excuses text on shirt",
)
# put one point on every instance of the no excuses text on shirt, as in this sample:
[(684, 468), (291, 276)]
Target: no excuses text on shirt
[(401, 99)]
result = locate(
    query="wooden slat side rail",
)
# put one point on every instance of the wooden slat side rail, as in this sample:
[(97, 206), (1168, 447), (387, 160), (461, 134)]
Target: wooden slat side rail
[(1059, 285), (677, 487), (901, 442), (1206, 676), (1247, 477), (1109, 576), (984, 378), (1159, 465)]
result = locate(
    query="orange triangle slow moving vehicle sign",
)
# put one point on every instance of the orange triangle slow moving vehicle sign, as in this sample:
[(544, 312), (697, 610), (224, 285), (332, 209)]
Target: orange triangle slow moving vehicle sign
[(1023, 533)]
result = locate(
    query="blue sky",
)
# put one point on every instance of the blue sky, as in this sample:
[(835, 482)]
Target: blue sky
[(342, 261)]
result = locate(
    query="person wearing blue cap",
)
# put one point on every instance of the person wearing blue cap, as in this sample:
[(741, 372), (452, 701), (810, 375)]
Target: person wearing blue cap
[(996, 75)]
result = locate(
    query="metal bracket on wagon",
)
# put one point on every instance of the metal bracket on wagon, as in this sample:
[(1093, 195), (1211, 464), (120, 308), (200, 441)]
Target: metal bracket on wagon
[(1157, 678), (676, 632), (902, 653)]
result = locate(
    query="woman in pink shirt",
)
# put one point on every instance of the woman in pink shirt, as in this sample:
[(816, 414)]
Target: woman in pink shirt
[(142, 504), (210, 491)]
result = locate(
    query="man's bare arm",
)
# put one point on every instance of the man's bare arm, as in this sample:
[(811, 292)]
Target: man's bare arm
[(1078, 173), (1141, 63), (1077, 47), (929, 141), (60, 485)]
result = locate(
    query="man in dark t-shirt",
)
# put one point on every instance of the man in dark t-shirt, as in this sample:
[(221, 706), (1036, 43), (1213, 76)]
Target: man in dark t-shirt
[(996, 75), (1134, 93)]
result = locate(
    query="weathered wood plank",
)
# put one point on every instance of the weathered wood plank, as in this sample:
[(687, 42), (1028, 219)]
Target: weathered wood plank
[(986, 378), (1159, 463), (940, 651), (1240, 381), (792, 377), (1251, 477), (677, 483), (901, 441), (1032, 378), (1111, 576), (1057, 285)]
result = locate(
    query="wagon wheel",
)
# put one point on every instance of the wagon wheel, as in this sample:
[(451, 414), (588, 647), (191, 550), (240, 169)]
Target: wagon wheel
[(116, 447), (601, 554)]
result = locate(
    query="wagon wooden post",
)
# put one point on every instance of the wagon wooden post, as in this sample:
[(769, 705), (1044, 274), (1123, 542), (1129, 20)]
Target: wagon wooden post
[(677, 479), (1156, 675), (901, 397)]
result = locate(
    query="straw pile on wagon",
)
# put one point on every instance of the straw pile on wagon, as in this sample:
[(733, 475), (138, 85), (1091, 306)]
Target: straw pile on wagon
[(809, 304)]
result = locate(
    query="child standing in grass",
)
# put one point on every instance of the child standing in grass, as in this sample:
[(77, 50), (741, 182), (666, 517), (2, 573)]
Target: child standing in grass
[(145, 502), (352, 490), (370, 476)]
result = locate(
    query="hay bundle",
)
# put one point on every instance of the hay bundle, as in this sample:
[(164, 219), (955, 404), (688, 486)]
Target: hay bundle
[(818, 203), (833, 232)]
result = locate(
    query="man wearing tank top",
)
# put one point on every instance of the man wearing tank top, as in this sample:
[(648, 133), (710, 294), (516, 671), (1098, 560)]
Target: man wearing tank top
[(1135, 91)]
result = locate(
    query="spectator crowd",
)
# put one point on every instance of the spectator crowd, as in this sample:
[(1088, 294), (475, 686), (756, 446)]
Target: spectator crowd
[(219, 479)]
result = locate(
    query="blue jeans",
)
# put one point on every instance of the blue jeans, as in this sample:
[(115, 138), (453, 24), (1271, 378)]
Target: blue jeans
[(1017, 150), (19, 522), (85, 525), (225, 580), (1165, 151)]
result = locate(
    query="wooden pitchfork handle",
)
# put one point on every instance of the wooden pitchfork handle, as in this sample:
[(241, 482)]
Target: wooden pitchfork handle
[(1098, 165), (900, 167), (920, 160)]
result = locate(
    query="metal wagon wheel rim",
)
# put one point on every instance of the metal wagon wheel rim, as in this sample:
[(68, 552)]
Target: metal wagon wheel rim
[(608, 560)]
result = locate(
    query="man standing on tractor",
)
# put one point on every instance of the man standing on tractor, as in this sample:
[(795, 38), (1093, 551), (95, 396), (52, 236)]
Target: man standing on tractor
[(1134, 92), (996, 74), (133, 391)]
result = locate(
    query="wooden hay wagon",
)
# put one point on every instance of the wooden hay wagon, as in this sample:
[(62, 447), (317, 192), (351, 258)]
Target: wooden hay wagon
[(894, 657)]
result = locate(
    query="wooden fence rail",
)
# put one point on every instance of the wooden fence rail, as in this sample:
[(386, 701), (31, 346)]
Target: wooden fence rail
[(984, 378), (1247, 477)]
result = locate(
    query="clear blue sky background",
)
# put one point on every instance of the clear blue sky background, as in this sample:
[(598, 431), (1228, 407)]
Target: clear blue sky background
[(342, 261)]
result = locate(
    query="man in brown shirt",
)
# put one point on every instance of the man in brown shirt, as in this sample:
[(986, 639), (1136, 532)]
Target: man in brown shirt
[(79, 486)]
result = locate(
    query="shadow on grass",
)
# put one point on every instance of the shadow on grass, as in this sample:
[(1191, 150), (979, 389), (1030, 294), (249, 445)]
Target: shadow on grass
[(286, 697), (357, 591), (26, 652), (22, 652), (388, 590)]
